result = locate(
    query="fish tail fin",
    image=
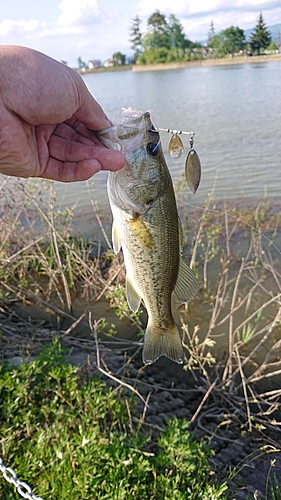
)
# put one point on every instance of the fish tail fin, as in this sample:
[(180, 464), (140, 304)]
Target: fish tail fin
[(159, 342)]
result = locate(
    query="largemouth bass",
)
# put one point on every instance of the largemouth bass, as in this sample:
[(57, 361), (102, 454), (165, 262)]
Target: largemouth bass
[(147, 227)]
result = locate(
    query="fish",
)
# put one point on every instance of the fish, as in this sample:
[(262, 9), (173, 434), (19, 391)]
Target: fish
[(147, 227)]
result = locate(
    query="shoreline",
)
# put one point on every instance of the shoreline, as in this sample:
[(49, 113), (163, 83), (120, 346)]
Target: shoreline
[(188, 64), (210, 62)]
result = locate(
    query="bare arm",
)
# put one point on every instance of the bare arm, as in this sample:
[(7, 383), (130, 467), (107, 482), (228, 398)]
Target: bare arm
[(47, 119)]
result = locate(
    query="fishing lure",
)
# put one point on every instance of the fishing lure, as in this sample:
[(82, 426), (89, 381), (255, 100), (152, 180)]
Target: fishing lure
[(192, 163)]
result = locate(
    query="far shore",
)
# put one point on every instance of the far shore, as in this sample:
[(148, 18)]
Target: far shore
[(190, 64), (209, 62)]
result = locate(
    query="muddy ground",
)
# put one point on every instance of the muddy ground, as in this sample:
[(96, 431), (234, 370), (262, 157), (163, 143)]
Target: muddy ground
[(248, 461)]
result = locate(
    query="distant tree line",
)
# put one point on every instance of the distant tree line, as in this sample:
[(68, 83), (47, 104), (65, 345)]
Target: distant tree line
[(165, 41)]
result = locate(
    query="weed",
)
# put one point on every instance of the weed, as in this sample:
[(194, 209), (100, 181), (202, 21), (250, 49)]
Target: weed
[(272, 487), (118, 302), (71, 439)]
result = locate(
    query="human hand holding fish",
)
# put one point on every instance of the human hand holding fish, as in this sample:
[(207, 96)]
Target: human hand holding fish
[(47, 120), (147, 227)]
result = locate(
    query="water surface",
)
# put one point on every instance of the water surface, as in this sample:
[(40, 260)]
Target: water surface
[(234, 111)]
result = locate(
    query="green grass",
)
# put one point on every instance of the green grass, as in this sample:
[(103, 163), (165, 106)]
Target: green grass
[(70, 437)]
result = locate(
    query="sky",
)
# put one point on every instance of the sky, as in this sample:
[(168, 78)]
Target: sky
[(95, 29)]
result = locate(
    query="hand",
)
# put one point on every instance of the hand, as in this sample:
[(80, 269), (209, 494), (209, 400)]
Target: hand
[(48, 119)]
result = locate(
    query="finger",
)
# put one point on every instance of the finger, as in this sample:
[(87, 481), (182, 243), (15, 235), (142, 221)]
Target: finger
[(80, 134), (76, 132), (110, 160), (66, 150), (70, 171)]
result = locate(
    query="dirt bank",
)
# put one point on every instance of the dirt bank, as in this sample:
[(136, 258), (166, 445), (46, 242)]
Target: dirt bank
[(210, 62)]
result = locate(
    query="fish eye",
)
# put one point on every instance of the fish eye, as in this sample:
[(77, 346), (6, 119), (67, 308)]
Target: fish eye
[(152, 149)]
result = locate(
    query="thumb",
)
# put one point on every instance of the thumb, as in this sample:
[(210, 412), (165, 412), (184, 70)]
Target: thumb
[(91, 113)]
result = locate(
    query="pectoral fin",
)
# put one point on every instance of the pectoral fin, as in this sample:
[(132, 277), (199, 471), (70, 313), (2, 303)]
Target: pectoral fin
[(133, 297), (116, 238), (187, 284), (142, 233)]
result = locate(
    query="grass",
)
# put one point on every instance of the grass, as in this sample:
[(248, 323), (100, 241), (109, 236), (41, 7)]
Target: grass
[(44, 267), (74, 438)]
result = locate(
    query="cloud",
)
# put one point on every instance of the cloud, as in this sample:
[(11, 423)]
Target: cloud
[(195, 8), (34, 29), (146, 7), (20, 28), (81, 12), (77, 16), (82, 27)]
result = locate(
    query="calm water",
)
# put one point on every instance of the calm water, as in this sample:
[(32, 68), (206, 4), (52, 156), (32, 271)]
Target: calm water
[(235, 112)]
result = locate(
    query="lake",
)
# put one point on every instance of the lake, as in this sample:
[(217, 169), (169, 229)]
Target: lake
[(235, 112)]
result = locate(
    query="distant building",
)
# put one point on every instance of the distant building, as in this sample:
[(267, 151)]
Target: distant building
[(94, 64), (108, 63)]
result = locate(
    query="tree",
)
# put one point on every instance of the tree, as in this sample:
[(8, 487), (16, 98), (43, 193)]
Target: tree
[(211, 35), (136, 37), (118, 59), (158, 31), (164, 41), (177, 37), (229, 41), (233, 40), (260, 38), (81, 64), (156, 55), (272, 46)]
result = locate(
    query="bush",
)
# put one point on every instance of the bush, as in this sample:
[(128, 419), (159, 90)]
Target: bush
[(70, 439)]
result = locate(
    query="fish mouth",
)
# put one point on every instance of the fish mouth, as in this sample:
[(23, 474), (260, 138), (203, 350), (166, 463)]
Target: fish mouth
[(130, 131)]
